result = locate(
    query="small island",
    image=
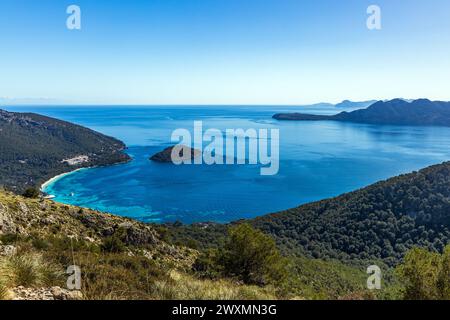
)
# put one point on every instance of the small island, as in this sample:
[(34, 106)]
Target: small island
[(165, 156)]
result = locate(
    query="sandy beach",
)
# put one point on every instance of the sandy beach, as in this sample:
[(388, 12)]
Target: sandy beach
[(59, 176)]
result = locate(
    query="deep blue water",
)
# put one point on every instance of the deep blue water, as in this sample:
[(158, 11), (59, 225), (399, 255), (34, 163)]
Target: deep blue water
[(317, 160)]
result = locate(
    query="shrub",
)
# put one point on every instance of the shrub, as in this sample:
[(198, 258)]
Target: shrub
[(207, 265), (443, 280), (10, 238), (248, 255), (31, 193), (425, 274), (39, 243), (113, 244)]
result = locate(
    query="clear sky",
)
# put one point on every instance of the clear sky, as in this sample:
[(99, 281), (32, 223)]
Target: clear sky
[(223, 51)]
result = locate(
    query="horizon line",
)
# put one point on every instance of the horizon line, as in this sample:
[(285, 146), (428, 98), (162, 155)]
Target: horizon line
[(200, 104)]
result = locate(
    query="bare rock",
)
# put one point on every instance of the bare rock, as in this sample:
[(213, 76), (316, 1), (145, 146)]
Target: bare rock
[(21, 293), (7, 250), (6, 222), (64, 294)]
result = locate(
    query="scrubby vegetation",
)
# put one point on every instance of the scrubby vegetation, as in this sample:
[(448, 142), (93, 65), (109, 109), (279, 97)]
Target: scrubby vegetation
[(31, 193), (107, 275), (425, 275), (124, 259), (29, 269), (248, 255)]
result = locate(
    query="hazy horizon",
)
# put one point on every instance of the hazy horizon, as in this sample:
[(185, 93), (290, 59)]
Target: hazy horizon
[(62, 104)]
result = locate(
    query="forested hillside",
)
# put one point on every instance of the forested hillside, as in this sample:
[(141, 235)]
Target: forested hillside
[(33, 149), (382, 221), (379, 222)]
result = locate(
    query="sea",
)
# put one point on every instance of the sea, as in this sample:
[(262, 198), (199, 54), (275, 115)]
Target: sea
[(317, 160)]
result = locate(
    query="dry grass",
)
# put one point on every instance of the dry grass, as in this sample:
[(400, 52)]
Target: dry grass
[(3, 291), (181, 286), (28, 270)]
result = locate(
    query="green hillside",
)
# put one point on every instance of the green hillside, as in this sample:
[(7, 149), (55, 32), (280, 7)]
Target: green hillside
[(379, 222), (33, 149)]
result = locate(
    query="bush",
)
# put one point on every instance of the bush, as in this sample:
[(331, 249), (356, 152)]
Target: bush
[(207, 266), (443, 280), (10, 238), (113, 244), (40, 244), (425, 275), (248, 255), (31, 193)]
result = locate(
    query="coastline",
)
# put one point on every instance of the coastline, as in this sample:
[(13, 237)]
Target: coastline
[(62, 175), (57, 177)]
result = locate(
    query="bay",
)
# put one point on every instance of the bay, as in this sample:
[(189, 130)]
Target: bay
[(317, 160)]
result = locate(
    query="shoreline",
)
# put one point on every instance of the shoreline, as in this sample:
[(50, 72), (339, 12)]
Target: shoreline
[(62, 175), (57, 177)]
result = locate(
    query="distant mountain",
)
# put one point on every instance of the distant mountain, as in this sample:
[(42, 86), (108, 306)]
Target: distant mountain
[(33, 148), (319, 105), (420, 112), (347, 104)]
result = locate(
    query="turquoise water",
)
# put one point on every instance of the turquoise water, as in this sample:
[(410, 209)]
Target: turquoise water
[(317, 160)]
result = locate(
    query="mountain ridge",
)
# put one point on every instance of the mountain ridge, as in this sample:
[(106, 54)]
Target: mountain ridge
[(354, 104), (421, 112)]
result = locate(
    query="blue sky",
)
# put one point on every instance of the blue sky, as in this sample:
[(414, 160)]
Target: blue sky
[(223, 51)]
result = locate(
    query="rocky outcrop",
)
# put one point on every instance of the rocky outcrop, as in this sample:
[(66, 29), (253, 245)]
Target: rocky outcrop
[(6, 223), (53, 293), (7, 250), (133, 232), (41, 218)]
